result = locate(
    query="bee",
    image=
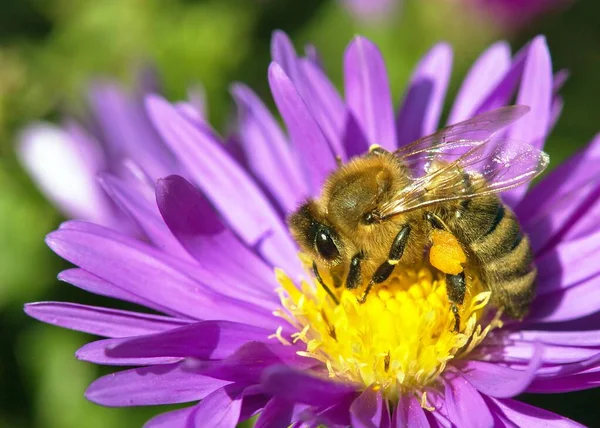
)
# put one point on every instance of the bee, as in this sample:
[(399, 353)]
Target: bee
[(384, 210)]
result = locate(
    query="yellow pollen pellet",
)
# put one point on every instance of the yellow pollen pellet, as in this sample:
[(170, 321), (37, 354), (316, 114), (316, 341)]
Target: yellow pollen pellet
[(446, 254)]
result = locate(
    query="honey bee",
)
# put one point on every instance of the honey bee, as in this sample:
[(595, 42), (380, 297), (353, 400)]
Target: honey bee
[(383, 210)]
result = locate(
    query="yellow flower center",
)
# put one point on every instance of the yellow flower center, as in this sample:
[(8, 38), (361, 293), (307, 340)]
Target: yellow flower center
[(399, 340)]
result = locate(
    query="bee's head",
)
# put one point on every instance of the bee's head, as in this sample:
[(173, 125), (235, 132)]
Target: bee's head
[(315, 235)]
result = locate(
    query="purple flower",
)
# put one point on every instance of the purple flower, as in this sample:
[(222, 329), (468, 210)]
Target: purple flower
[(516, 13), (371, 10), (212, 237), (508, 13)]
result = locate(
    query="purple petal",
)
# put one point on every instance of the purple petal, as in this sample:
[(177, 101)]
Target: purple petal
[(208, 280), (556, 110), (439, 417), (498, 381), (409, 413), (337, 415), (326, 104), (226, 184), (277, 413), (591, 365), (95, 352), (567, 264), (368, 93), (174, 418), (128, 132), (307, 389), (64, 168), (483, 76), (424, 98), (536, 92), (220, 409), (267, 150), (207, 340), (522, 352), (150, 274), (574, 302), (253, 401), (312, 54), (573, 216), (147, 386), (565, 384), (248, 363), (196, 225), (461, 401), (573, 338), (314, 88), (190, 113), (100, 321), (524, 415), (312, 147), (569, 176), (93, 284), (355, 141), (370, 410), (583, 216), (504, 90), (142, 210), (284, 54)]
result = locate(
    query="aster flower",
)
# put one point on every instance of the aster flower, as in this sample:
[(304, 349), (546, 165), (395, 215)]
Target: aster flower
[(54, 155), (215, 234)]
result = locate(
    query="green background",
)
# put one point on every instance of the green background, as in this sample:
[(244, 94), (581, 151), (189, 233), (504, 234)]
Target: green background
[(50, 51)]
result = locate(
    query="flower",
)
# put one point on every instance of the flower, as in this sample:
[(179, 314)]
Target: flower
[(508, 13), (215, 233), (516, 13), (54, 155)]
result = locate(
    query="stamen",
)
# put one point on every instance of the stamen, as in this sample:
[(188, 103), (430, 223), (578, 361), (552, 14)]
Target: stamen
[(400, 339), (277, 335)]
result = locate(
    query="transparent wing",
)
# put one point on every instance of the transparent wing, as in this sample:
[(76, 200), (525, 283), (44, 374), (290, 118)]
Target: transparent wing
[(448, 165), (455, 140)]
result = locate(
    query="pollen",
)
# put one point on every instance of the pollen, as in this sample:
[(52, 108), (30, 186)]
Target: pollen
[(399, 340)]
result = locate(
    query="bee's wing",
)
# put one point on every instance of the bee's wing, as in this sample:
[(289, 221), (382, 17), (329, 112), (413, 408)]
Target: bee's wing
[(455, 140), (449, 165)]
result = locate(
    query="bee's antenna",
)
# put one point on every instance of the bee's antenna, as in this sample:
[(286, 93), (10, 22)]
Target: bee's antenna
[(320, 280)]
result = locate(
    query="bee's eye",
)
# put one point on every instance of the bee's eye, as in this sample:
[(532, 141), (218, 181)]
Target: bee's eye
[(325, 245)]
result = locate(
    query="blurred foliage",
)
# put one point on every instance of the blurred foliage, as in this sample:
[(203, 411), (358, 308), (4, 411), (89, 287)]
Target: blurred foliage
[(51, 50)]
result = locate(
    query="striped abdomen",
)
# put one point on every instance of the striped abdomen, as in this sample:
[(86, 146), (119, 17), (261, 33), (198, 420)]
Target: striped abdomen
[(502, 253)]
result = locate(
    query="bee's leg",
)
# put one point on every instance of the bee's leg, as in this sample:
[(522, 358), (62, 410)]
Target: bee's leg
[(455, 284), (456, 287), (320, 280), (354, 277), (435, 221), (384, 270)]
